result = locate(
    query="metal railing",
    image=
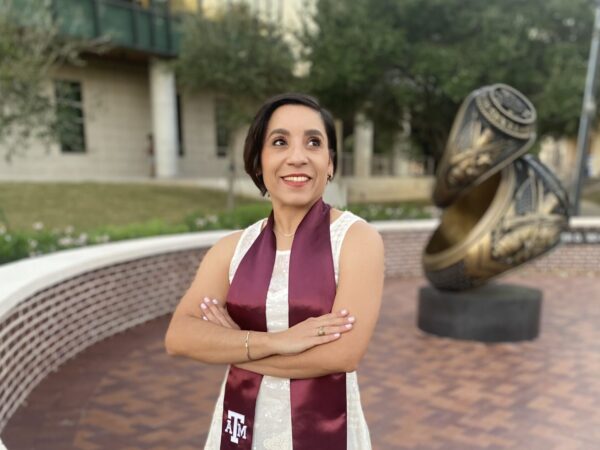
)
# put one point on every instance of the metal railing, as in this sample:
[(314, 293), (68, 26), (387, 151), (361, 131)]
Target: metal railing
[(127, 24), (386, 165)]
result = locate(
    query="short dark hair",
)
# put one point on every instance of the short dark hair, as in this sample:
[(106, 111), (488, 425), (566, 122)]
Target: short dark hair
[(256, 134)]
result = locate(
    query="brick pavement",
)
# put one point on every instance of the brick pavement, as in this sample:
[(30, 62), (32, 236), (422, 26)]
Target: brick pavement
[(419, 392)]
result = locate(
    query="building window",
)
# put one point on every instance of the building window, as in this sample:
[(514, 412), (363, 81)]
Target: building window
[(70, 119), (222, 109)]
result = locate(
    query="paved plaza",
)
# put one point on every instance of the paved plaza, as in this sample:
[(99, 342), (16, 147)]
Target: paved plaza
[(418, 391)]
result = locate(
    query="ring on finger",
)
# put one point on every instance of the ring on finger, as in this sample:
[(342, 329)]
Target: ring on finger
[(321, 331)]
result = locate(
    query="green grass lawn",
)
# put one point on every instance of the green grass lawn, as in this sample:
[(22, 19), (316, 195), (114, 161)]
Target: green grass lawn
[(39, 218), (86, 206)]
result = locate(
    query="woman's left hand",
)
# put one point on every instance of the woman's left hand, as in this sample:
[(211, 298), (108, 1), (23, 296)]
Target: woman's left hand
[(215, 312)]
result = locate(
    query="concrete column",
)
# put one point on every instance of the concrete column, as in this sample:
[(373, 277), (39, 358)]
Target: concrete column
[(236, 163), (363, 146), (401, 148), (163, 98), (400, 159), (339, 134), (336, 193)]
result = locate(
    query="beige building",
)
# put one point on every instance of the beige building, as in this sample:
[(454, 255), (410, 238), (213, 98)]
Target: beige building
[(115, 104), (130, 120)]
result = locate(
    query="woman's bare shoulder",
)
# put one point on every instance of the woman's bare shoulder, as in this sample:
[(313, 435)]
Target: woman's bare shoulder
[(224, 248), (362, 238)]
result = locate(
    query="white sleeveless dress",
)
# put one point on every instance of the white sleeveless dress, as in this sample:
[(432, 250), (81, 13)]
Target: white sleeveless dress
[(272, 422)]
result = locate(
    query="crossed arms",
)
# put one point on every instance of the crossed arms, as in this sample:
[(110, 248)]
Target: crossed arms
[(359, 292)]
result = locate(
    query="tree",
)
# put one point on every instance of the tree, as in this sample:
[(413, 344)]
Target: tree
[(30, 48), (352, 50), (240, 58), (422, 57), (540, 47)]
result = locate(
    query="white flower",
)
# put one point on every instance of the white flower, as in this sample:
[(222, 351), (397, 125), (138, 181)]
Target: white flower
[(32, 243), (65, 241), (8, 238), (102, 239), (2, 229), (200, 222), (38, 226), (212, 218)]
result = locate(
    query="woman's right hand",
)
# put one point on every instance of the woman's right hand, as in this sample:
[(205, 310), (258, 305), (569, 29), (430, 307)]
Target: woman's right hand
[(304, 335)]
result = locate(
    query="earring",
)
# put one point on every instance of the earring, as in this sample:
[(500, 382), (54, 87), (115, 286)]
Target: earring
[(329, 177)]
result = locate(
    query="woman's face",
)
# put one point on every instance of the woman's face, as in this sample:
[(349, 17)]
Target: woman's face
[(295, 158)]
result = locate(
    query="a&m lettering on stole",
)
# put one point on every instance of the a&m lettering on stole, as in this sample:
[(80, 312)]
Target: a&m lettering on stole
[(236, 428)]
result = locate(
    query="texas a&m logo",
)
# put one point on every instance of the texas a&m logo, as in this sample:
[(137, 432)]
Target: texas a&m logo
[(235, 426)]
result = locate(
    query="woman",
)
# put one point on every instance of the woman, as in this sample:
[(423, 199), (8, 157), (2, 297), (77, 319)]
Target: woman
[(291, 302)]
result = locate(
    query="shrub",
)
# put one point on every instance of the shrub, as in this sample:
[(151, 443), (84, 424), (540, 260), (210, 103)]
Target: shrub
[(21, 244)]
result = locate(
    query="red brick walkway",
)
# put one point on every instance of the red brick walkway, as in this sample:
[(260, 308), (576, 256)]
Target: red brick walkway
[(418, 391)]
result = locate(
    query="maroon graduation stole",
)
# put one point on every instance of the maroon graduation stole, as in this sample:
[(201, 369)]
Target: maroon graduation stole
[(318, 405)]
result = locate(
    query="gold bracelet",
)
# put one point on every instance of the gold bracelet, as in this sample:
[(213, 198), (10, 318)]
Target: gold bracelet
[(248, 346)]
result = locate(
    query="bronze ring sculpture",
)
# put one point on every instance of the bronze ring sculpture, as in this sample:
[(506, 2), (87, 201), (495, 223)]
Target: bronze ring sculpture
[(502, 208), (494, 126)]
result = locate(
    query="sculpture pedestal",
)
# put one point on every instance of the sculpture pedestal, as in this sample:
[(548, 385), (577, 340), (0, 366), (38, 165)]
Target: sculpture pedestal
[(490, 313)]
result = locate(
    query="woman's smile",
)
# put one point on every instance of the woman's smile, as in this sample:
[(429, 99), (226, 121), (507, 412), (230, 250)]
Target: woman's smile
[(296, 180)]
